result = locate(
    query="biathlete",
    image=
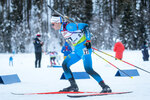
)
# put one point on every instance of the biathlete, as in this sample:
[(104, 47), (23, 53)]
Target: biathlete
[(79, 35)]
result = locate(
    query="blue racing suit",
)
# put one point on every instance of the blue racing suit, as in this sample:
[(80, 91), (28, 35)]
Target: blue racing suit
[(78, 34)]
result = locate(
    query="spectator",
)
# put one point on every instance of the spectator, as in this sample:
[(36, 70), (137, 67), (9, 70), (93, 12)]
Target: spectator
[(66, 49), (119, 48), (38, 50), (145, 53)]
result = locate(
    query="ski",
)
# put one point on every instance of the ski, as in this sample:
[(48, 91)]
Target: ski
[(96, 94), (51, 93)]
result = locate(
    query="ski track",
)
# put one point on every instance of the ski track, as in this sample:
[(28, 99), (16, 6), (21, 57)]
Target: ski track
[(48, 79)]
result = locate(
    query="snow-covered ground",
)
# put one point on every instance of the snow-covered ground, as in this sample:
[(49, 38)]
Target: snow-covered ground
[(48, 79)]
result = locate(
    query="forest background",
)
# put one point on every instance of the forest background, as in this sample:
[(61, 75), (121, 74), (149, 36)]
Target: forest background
[(109, 20)]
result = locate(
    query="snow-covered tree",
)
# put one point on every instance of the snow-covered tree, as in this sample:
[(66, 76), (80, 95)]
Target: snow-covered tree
[(21, 20)]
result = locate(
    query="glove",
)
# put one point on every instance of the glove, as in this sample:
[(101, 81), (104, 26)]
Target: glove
[(42, 43), (88, 44)]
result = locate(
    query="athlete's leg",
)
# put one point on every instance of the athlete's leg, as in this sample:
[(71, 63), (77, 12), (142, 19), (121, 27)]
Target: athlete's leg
[(87, 60), (71, 59)]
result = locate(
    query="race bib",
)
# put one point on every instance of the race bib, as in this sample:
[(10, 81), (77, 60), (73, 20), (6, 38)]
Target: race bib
[(74, 37)]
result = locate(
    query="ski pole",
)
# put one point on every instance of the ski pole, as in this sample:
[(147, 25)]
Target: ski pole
[(121, 60), (113, 65)]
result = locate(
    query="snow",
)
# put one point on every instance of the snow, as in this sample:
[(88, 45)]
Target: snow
[(48, 79)]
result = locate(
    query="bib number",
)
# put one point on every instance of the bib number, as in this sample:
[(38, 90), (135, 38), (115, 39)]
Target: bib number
[(85, 51), (74, 37)]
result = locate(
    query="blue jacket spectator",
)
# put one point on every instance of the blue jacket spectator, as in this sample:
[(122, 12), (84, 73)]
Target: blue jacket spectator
[(66, 49)]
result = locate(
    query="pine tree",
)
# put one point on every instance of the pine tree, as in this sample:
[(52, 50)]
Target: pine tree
[(127, 33), (5, 28), (1, 30), (88, 10), (140, 26), (17, 24)]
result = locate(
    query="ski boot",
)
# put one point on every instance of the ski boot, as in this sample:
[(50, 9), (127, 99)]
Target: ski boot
[(105, 88), (72, 88)]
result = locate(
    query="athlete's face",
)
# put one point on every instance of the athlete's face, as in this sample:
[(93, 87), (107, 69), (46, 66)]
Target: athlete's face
[(56, 26)]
